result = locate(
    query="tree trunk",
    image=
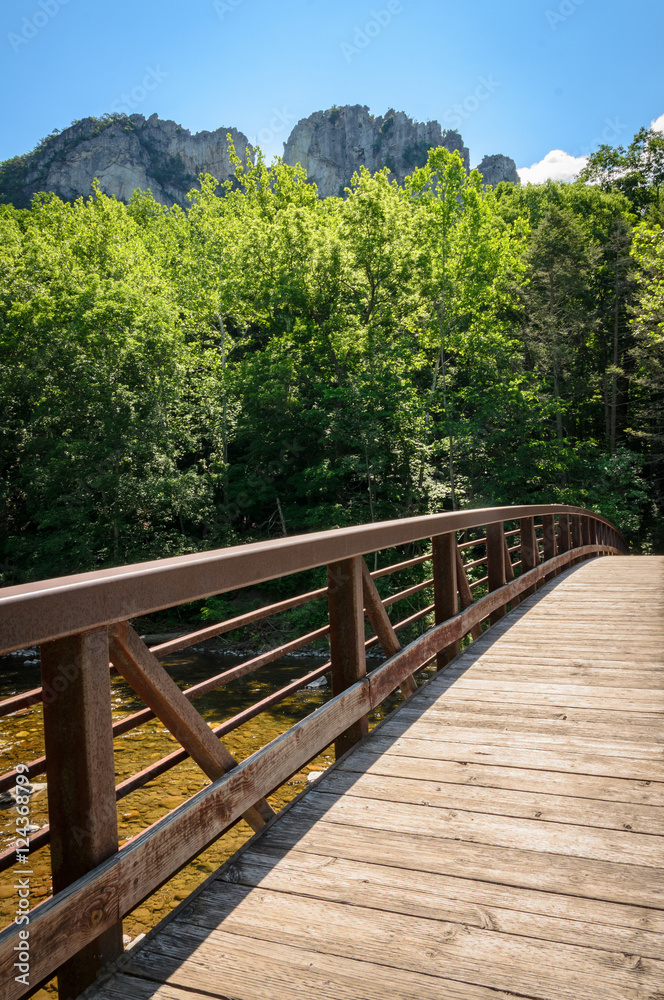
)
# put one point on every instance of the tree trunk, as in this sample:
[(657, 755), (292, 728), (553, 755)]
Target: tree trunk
[(224, 417), (614, 374)]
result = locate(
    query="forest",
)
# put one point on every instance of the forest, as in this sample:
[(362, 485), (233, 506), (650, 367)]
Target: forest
[(267, 362)]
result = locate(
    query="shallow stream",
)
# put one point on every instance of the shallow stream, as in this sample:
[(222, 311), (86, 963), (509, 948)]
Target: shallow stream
[(22, 740)]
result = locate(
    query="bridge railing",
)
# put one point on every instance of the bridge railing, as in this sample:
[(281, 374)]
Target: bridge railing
[(82, 624)]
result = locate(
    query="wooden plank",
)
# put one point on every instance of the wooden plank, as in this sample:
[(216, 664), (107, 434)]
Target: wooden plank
[(557, 724), (555, 713), (347, 651), (497, 831), (504, 909), (575, 694), (143, 671), (235, 965), (521, 964), (540, 760), (78, 734), (496, 670), (382, 626), (626, 883), (125, 987), (542, 805), (585, 786), (433, 732), (499, 892), (551, 658)]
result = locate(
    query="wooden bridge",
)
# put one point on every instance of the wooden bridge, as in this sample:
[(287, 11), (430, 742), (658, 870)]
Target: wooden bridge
[(498, 835)]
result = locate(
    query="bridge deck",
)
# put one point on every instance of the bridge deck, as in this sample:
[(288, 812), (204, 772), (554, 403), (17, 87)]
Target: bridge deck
[(501, 835)]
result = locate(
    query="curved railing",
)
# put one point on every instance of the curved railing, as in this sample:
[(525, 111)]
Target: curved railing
[(82, 625)]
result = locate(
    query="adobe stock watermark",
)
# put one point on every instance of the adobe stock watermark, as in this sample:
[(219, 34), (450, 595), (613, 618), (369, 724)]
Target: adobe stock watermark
[(129, 101), (365, 34), (486, 86), (613, 129), (280, 120), (562, 13), (31, 26), (22, 874), (223, 7)]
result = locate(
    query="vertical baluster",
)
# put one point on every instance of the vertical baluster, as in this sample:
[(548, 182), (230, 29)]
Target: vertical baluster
[(347, 653), (594, 537), (443, 548), (577, 538), (465, 593), (564, 540), (495, 550), (81, 782), (529, 553), (549, 536)]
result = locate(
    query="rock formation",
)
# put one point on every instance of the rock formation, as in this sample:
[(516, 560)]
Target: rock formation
[(123, 153), (497, 168), (331, 145)]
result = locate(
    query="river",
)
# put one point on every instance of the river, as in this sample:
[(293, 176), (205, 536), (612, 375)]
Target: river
[(21, 739)]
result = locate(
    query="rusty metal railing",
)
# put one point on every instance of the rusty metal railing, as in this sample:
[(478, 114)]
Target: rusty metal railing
[(82, 625)]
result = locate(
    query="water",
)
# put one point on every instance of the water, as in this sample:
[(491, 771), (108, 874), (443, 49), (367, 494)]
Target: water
[(22, 740)]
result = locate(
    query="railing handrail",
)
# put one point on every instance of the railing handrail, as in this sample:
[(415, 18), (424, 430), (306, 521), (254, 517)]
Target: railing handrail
[(81, 623), (33, 613), (118, 883)]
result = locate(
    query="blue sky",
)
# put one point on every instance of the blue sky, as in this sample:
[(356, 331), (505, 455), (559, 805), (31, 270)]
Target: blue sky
[(520, 77)]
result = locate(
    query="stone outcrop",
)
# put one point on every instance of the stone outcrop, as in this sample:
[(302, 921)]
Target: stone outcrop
[(331, 145), (126, 152), (497, 168), (123, 153)]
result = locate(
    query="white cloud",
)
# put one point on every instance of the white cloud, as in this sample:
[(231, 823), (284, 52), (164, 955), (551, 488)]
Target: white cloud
[(556, 166), (561, 166)]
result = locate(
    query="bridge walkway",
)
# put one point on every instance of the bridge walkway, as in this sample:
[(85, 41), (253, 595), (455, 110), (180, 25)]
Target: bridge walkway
[(499, 835)]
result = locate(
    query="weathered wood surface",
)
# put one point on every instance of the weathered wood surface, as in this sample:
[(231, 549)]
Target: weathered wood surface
[(500, 835)]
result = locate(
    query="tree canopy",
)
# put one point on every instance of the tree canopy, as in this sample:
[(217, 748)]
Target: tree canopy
[(271, 362)]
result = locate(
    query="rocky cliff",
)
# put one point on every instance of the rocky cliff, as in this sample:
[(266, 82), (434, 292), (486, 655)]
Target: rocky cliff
[(128, 152), (497, 168), (331, 145), (123, 153)]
